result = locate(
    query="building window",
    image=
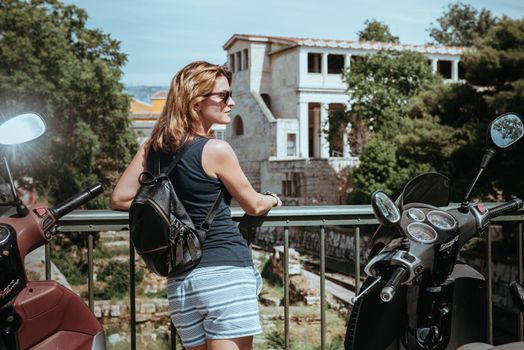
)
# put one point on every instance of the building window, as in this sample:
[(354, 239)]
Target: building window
[(356, 58), (238, 59), (220, 134), (232, 62), (462, 72), (444, 68), (246, 59), (238, 126), (335, 64), (291, 185), (314, 62), (291, 144), (267, 100)]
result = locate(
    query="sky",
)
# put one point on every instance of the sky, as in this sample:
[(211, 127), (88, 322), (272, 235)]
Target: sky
[(162, 36)]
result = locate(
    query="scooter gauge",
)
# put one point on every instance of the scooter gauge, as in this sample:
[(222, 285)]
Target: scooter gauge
[(442, 220), (416, 214), (421, 232), (4, 234)]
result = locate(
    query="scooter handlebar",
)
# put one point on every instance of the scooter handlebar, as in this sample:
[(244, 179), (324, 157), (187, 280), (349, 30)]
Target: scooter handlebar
[(397, 277), (505, 208), (77, 200)]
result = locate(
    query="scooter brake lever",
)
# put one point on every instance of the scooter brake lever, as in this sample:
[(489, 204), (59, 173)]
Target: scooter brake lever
[(368, 290)]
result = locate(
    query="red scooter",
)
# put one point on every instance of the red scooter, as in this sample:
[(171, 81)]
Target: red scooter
[(38, 314)]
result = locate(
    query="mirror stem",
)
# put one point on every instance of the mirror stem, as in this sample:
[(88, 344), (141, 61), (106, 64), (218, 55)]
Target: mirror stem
[(488, 156), (464, 207), (21, 208)]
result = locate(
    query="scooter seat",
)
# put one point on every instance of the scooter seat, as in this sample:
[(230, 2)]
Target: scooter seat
[(483, 346)]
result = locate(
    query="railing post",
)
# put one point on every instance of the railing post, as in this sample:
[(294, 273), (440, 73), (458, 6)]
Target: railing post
[(132, 301), (286, 287), (322, 287), (47, 258), (173, 334), (90, 282), (519, 252), (357, 260), (490, 291)]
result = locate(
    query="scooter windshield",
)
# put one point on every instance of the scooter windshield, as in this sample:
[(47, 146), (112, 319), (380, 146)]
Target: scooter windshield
[(428, 188)]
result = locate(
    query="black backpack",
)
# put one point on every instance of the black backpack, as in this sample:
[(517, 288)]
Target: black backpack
[(162, 232)]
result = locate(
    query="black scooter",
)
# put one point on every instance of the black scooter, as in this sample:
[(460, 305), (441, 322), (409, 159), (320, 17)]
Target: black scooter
[(417, 294)]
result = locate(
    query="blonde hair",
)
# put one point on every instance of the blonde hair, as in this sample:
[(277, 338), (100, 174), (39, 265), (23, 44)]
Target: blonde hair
[(179, 119)]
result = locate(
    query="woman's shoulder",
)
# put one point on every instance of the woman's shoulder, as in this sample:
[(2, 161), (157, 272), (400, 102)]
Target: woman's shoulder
[(218, 149)]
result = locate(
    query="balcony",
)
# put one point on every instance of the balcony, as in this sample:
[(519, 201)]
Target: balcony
[(355, 217)]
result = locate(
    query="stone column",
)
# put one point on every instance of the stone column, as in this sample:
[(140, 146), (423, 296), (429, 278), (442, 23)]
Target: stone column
[(347, 61), (324, 125), (434, 65), (346, 151), (454, 70), (303, 137), (324, 68)]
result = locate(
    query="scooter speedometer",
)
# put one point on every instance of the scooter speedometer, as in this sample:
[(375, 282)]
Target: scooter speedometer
[(421, 232)]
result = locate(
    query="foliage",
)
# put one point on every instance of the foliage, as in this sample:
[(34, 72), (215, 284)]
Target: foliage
[(461, 24), (116, 276), (52, 64), (495, 85), (378, 170), (376, 31), (75, 272), (380, 87), (276, 339)]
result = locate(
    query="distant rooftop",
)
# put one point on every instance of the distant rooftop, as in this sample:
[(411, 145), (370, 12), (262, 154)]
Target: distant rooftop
[(159, 95), (345, 44)]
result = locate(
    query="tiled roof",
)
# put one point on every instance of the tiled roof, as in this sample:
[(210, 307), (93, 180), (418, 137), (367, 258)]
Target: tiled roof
[(347, 44)]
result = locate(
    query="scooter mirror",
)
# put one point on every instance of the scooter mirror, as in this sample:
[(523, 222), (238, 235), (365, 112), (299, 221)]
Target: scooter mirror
[(22, 128), (386, 211), (505, 130)]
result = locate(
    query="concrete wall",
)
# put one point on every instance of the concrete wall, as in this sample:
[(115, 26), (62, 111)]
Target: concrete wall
[(284, 75), (319, 182)]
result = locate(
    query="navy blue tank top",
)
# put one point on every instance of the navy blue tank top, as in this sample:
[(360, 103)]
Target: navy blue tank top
[(224, 244)]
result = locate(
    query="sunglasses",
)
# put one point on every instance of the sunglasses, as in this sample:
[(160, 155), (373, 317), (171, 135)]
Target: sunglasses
[(224, 96)]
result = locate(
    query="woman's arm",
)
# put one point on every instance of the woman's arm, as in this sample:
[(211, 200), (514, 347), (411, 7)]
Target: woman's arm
[(126, 188), (219, 160)]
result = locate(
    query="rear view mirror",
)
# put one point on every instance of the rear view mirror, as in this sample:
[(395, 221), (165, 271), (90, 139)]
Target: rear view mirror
[(386, 211), (22, 128), (505, 130)]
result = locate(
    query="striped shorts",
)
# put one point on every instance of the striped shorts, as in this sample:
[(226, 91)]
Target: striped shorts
[(218, 302)]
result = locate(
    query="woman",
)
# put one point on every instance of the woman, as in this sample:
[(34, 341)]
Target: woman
[(213, 306)]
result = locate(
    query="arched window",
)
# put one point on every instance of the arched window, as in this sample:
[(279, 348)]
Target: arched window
[(238, 126), (267, 100)]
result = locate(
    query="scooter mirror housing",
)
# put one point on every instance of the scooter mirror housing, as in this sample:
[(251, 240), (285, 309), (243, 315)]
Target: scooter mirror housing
[(386, 211), (505, 130), (22, 128), (502, 132)]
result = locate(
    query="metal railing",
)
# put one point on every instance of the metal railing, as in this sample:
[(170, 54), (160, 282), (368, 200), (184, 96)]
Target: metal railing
[(356, 216)]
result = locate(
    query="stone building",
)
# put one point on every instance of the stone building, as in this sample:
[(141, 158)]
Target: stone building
[(284, 89)]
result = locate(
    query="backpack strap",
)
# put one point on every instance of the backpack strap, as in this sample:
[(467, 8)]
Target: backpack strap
[(181, 151), (211, 215)]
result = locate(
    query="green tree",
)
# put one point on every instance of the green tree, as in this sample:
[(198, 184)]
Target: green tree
[(460, 24), (494, 85), (379, 88), (378, 170), (376, 31), (50, 63)]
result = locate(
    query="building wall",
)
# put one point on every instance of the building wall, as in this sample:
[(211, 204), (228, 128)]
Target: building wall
[(284, 77), (320, 181)]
